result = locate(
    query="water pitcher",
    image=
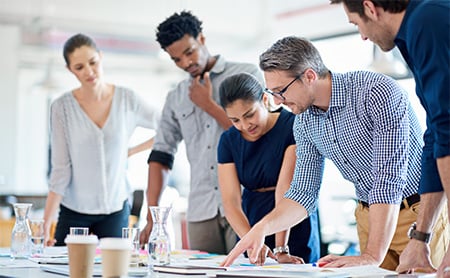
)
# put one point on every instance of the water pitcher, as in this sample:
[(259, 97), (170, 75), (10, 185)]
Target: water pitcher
[(159, 241), (21, 233)]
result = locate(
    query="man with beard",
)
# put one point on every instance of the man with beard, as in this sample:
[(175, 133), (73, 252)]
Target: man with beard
[(364, 123), (421, 31)]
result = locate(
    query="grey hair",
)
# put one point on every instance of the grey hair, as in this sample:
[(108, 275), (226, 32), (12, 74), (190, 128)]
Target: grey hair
[(294, 55)]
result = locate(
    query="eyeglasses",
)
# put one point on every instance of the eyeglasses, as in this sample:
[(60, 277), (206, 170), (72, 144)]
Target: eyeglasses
[(279, 95)]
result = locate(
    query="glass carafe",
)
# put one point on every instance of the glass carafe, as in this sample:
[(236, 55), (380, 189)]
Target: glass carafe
[(159, 241), (21, 233)]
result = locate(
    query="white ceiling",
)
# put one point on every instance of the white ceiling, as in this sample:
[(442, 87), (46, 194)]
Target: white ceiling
[(227, 22), (238, 29)]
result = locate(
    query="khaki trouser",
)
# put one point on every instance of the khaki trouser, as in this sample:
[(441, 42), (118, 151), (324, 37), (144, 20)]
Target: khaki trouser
[(439, 241), (213, 236)]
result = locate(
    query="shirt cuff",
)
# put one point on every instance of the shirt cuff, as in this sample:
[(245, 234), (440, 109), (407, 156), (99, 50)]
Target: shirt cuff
[(441, 150), (161, 157), (429, 178)]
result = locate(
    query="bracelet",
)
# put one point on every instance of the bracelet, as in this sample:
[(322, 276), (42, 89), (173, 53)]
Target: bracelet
[(281, 249)]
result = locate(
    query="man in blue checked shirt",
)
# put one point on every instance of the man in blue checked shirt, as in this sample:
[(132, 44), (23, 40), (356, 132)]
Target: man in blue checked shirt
[(364, 123)]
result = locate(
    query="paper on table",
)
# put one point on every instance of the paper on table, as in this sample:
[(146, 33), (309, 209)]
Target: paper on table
[(17, 263), (187, 269), (279, 274), (303, 270), (97, 271), (54, 251)]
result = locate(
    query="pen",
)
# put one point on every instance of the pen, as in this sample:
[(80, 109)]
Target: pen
[(321, 264)]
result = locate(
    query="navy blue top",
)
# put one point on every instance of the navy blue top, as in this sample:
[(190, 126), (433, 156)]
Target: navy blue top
[(258, 165), (424, 41)]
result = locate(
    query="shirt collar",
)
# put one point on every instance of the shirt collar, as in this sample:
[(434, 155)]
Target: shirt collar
[(338, 90), (412, 5), (218, 67), (338, 94)]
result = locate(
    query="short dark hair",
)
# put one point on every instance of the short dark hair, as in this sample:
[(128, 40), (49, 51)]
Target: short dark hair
[(243, 86), (176, 26), (74, 42), (293, 55), (356, 6)]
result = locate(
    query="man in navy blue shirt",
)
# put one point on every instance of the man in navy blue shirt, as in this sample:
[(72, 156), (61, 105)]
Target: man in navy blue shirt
[(421, 31)]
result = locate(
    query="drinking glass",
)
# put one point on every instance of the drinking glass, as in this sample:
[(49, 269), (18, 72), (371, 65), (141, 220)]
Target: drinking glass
[(81, 231), (37, 236), (132, 234)]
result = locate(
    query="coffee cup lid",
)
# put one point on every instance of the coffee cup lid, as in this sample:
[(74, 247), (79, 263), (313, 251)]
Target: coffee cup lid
[(81, 239), (115, 243)]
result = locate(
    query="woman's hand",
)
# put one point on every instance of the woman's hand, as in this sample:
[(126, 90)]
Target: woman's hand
[(265, 252), (47, 240)]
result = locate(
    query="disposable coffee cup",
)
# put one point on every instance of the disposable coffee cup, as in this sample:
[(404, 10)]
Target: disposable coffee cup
[(81, 251), (116, 254)]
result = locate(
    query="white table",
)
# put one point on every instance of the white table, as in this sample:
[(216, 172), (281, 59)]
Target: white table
[(33, 271), (8, 268)]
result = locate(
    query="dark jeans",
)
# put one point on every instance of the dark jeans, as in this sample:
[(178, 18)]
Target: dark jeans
[(101, 225)]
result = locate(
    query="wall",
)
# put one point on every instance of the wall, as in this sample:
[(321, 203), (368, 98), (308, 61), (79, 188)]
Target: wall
[(8, 106)]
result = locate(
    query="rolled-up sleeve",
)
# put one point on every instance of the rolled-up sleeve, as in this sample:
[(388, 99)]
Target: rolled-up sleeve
[(168, 136)]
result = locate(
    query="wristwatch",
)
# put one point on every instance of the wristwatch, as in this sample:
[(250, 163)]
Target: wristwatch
[(281, 249), (413, 233)]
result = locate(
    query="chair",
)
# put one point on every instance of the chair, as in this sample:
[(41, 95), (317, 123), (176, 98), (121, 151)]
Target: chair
[(136, 206)]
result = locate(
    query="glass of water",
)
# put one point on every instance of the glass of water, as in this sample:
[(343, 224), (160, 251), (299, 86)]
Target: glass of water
[(37, 236), (132, 234), (80, 231)]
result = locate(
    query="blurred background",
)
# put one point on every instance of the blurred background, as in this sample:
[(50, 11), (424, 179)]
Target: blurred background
[(33, 73)]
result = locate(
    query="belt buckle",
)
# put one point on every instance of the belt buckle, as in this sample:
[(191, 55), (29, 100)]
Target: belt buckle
[(405, 204)]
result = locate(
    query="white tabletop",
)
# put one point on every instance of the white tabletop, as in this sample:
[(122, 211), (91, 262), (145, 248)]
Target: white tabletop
[(26, 268)]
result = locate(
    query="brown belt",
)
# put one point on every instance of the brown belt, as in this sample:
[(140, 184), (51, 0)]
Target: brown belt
[(406, 203), (265, 189)]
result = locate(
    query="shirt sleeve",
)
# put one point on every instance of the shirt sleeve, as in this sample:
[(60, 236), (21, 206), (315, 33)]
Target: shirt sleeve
[(308, 172), (224, 154), (430, 47), (61, 168), (146, 115), (168, 135), (387, 107)]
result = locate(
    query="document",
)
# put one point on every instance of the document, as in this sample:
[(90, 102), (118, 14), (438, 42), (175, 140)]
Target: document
[(97, 272), (187, 269), (279, 274)]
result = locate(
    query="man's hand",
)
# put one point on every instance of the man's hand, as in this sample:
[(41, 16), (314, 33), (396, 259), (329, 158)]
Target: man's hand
[(444, 268), (344, 261), (415, 257), (284, 258), (200, 92), (145, 233), (252, 242)]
